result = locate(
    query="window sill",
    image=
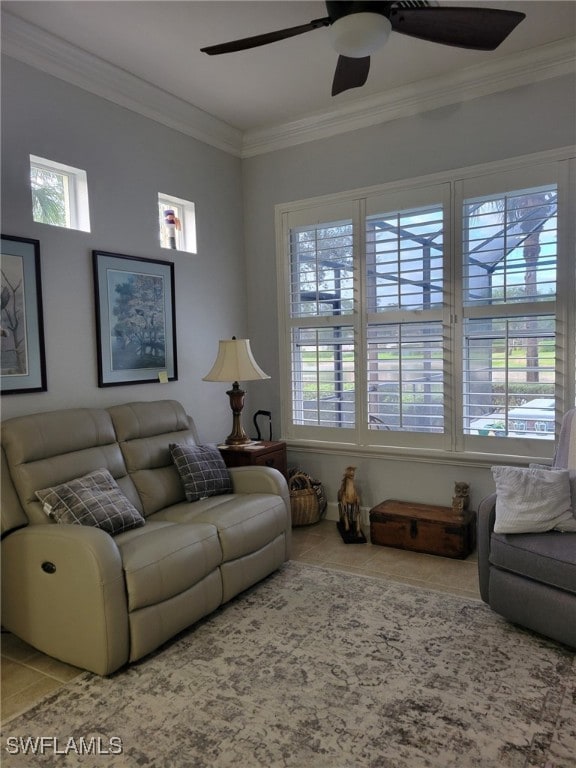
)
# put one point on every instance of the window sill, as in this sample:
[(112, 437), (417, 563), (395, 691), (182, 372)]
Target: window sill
[(176, 250), (420, 455)]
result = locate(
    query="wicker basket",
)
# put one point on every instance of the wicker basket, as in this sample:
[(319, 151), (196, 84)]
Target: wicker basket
[(304, 500)]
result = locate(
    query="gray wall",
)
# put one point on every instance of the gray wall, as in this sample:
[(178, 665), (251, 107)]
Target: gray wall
[(229, 287), (128, 160), (513, 123)]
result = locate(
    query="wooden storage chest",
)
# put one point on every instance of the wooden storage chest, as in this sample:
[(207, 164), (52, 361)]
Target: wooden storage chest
[(423, 528)]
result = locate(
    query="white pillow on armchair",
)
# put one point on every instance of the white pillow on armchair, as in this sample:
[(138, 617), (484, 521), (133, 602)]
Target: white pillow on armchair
[(532, 500)]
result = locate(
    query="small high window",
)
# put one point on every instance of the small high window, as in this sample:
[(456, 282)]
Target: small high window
[(59, 194), (177, 223)]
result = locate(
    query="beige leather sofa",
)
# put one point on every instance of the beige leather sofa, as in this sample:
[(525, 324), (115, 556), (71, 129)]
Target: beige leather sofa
[(99, 601)]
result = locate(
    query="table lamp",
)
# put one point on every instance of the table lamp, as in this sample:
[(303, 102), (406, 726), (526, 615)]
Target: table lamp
[(235, 362)]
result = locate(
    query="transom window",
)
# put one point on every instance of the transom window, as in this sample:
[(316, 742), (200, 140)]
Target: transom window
[(59, 194), (176, 223)]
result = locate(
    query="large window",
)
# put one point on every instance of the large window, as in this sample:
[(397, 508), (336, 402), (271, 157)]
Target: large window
[(434, 315)]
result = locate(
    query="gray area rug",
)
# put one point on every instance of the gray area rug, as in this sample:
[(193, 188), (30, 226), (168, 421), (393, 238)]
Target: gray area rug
[(316, 668)]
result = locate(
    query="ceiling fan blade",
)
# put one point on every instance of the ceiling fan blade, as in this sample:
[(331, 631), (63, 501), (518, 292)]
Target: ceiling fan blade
[(268, 37), (481, 29), (350, 73)]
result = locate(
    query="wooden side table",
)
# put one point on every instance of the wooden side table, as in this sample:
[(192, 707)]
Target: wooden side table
[(264, 453)]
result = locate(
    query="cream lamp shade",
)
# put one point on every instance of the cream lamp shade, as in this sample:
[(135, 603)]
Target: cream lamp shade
[(235, 362)]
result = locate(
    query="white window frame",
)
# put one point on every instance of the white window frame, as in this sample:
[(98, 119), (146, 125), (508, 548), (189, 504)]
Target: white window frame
[(186, 235), (378, 201), (558, 166), (524, 177), (76, 203)]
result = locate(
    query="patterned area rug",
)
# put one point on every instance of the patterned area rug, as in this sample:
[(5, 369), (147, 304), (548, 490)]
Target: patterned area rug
[(316, 668)]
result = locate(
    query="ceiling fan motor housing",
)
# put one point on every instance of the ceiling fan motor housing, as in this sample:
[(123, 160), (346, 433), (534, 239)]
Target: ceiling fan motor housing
[(359, 34), (359, 29), (339, 8)]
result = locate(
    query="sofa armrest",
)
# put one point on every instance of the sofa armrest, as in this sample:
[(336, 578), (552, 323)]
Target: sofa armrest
[(63, 592), (485, 525), (265, 480), (260, 480)]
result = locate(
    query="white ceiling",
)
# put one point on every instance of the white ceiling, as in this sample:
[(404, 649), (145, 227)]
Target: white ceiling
[(159, 42)]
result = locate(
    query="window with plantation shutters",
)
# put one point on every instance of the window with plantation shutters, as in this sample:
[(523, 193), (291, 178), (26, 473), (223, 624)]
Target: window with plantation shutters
[(509, 278), (406, 377), (405, 297), (405, 259), (510, 247), (509, 376), (321, 304), (433, 315), (323, 377)]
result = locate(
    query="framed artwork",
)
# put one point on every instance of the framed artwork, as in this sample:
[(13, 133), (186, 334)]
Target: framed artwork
[(135, 319), (23, 361)]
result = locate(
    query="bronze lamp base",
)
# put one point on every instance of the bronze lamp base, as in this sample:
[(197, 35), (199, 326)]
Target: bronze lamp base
[(237, 436)]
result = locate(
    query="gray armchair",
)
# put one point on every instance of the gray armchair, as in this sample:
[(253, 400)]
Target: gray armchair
[(530, 578)]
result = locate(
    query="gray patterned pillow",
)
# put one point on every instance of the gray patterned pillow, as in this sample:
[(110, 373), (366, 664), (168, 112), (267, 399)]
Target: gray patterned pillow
[(93, 499), (202, 470), (532, 500)]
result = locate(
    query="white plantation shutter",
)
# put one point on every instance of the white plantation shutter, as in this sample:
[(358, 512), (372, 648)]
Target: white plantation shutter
[(509, 376), (433, 314), (405, 259), (406, 377), (405, 359), (323, 377), (322, 340), (322, 270), (510, 248)]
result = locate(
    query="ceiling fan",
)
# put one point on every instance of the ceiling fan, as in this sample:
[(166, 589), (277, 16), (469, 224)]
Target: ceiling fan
[(360, 28)]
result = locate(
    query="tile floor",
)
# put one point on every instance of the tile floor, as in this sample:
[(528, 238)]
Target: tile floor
[(321, 544), (28, 675)]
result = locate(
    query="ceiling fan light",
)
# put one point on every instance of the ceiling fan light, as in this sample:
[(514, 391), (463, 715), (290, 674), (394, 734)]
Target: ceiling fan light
[(359, 34)]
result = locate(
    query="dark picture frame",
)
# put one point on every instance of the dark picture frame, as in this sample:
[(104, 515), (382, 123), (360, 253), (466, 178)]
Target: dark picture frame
[(23, 356), (135, 319)]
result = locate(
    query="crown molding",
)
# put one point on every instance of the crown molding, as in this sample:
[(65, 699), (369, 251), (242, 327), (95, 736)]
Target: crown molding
[(547, 61), (34, 46), (42, 50)]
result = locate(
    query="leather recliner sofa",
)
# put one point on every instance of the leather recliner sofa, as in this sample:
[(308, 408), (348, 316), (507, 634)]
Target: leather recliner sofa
[(99, 601), (530, 578)]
